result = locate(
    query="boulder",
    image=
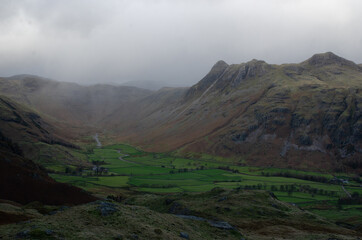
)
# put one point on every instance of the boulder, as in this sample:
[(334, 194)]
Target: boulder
[(184, 235)]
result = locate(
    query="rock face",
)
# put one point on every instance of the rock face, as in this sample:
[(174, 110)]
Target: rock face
[(107, 208), (215, 73)]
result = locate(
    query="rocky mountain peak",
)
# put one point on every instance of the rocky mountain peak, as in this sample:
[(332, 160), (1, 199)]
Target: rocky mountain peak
[(219, 66), (255, 61), (256, 67), (328, 58), (216, 71), (250, 69)]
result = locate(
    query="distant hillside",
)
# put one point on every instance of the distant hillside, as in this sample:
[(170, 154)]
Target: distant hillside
[(69, 102), (151, 85), (23, 124)]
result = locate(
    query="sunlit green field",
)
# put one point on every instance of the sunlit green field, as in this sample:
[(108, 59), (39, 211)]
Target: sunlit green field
[(164, 173), (160, 171)]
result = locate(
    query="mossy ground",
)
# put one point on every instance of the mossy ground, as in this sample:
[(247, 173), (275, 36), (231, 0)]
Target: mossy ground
[(253, 214)]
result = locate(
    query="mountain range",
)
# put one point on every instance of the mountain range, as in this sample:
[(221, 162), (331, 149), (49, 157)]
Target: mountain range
[(305, 115)]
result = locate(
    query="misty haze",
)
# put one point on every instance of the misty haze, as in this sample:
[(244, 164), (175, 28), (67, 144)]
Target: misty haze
[(180, 119)]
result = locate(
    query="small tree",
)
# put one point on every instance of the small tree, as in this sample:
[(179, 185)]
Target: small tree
[(68, 170)]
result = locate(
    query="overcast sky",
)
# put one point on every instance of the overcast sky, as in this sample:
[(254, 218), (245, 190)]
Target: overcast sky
[(174, 41)]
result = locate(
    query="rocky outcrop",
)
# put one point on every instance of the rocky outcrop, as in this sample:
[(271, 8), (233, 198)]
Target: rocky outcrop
[(107, 208)]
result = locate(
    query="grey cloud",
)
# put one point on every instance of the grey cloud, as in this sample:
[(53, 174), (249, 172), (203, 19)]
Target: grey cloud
[(89, 41)]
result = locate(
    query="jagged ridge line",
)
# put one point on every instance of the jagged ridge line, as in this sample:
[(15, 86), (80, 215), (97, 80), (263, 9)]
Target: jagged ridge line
[(203, 94)]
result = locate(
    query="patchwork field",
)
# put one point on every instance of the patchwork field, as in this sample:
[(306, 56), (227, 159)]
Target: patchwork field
[(126, 167)]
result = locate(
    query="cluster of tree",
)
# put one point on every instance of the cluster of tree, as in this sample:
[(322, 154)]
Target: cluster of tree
[(233, 180), (69, 170), (181, 170), (97, 169), (74, 171), (98, 163), (146, 185), (290, 188), (100, 170), (312, 178), (355, 199), (227, 168), (202, 167), (254, 187), (314, 191), (356, 179), (117, 198), (353, 163)]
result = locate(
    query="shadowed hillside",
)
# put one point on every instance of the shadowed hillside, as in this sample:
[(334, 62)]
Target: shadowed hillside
[(22, 180)]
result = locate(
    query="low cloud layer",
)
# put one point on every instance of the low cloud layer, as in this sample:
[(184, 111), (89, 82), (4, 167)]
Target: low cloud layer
[(176, 42)]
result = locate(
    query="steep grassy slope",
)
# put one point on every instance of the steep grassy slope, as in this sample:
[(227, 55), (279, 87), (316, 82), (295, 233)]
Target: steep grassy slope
[(23, 124), (22, 180), (36, 137)]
